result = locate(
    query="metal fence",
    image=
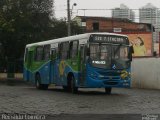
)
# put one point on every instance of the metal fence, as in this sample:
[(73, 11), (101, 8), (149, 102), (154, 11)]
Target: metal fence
[(11, 69)]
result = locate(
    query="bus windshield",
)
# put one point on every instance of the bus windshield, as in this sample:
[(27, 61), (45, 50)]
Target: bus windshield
[(109, 56)]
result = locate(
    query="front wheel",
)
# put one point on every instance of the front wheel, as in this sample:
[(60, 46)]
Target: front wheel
[(74, 89), (108, 90), (39, 85)]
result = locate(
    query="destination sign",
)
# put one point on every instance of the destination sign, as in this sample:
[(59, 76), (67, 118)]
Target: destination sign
[(109, 39)]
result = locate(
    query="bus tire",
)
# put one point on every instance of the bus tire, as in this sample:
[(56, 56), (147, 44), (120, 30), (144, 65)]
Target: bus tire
[(108, 90), (37, 80), (39, 85), (74, 89)]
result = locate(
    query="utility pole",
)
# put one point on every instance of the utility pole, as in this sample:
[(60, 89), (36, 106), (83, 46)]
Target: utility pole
[(69, 17)]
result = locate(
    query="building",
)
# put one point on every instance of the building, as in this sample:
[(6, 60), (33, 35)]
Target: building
[(134, 30), (123, 12), (151, 14), (107, 24)]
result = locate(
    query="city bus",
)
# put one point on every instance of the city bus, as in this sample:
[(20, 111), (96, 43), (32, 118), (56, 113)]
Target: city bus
[(91, 60)]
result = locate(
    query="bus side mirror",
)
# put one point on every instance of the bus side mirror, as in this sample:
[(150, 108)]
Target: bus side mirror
[(131, 51)]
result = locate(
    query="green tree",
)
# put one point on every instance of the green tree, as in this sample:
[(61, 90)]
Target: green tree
[(23, 22), (28, 21), (59, 28)]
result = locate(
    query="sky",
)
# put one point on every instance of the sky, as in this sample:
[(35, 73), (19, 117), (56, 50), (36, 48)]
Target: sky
[(61, 6)]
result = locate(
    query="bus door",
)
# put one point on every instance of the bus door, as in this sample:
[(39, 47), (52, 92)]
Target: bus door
[(82, 64), (53, 65), (29, 64)]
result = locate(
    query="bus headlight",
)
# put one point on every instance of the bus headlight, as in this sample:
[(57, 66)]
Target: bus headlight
[(101, 76)]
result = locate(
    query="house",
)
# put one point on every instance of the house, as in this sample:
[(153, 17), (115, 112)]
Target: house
[(106, 24)]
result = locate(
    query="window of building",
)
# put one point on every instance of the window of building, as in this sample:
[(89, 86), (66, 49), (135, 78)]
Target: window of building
[(96, 26)]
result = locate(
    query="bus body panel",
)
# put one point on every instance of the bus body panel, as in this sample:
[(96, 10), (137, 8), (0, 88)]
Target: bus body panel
[(63, 70), (28, 76), (25, 74), (43, 71), (106, 78)]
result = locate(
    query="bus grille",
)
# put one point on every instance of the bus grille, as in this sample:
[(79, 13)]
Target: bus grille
[(110, 82), (110, 73)]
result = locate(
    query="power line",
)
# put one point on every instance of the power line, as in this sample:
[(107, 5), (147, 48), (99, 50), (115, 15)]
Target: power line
[(114, 9), (119, 9)]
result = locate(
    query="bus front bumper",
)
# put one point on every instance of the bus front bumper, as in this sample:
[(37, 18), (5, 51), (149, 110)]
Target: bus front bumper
[(104, 83)]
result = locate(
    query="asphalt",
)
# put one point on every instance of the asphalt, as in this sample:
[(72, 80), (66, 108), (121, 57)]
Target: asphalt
[(20, 97)]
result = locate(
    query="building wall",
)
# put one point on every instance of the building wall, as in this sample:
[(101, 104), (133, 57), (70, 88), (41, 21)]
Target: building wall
[(109, 25), (145, 73)]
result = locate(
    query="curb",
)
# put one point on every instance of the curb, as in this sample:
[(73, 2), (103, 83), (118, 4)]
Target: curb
[(13, 81)]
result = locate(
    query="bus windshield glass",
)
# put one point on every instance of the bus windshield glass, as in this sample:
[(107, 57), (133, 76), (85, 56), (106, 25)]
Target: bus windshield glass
[(109, 55)]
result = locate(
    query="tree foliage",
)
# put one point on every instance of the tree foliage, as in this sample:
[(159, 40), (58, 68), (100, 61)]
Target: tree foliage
[(27, 21), (22, 22)]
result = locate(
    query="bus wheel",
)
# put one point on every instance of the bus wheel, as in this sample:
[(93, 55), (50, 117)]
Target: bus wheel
[(38, 79), (38, 83), (74, 89), (108, 90)]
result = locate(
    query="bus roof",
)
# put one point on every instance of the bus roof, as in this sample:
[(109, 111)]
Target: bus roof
[(71, 38)]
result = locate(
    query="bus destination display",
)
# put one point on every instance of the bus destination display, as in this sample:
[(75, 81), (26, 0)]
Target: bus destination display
[(108, 39)]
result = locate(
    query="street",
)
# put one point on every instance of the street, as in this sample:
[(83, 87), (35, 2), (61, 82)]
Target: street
[(24, 98)]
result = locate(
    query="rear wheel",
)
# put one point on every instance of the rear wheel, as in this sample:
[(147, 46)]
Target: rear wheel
[(108, 90), (39, 85)]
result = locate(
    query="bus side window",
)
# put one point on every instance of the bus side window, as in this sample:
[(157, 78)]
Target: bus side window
[(70, 49), (73, 49), (59, 50), (64, 48), (46, 52), (53, 54), (39, 53)]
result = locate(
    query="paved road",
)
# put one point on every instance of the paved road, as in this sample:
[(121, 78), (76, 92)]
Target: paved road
[(27, 99)]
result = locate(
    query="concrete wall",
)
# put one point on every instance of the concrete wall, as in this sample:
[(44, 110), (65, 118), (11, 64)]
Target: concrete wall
[(3, 76), (146, 73)]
